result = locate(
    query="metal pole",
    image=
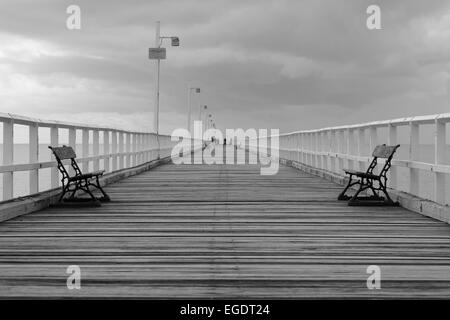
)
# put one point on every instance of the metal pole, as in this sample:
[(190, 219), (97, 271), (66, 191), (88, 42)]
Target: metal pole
[(189, 109), (156, 111)]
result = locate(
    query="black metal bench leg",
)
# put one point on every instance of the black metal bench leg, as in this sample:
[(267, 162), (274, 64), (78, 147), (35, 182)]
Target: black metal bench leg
[(389, 201), (77, 186), (361, 188), (64, 191), (342, 196), (89, 192), (105, 197)]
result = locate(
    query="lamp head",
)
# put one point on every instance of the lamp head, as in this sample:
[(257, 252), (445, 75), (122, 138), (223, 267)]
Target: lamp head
[(175, 41)]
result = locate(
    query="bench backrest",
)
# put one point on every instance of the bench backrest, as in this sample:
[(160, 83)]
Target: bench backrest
[(63, 153), (384, 152)]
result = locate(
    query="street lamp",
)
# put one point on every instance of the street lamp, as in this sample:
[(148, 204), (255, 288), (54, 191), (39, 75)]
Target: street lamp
[(209, 120), (197, 90), (158, 54)]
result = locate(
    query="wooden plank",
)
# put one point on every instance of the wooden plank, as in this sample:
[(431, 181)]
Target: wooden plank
[(225, 231)]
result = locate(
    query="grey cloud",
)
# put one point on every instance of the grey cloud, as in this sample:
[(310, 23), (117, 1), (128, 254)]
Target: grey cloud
[(251, 57)]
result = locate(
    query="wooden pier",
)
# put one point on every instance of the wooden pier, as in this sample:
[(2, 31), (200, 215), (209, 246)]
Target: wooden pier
[(224, 231)]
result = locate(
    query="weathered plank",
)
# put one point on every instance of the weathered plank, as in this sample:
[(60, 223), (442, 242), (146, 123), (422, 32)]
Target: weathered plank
[(224, 231)]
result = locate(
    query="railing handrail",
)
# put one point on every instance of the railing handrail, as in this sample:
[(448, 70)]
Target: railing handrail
[(23, 120), (427, 119)]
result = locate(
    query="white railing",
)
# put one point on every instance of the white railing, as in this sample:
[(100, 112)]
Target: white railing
[(121, 149), (335, 148)]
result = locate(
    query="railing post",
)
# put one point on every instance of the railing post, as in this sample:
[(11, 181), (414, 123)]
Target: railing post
[(145, 147), (349, 149), (33, 135), (286, 147), (326, 149), (337, 139), (8, 158), (331, 144), (150, 146), (106, 151), (439, 158), (320, 164), (141, 148), (413, 153), (135, 149), (310, 149), (340, 148), (115, 157), (323, 158), (302, 147), (291, 147), (121, 149), (160, 147), (360, 145), (73, 144), (373, 139), (294, 146), (392, 140), (316, 149), (85, 149), (128, 149), (54, 137), (96, 149)]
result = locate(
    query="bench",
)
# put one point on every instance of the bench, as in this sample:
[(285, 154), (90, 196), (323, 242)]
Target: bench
[(370, 180), (79, 181)]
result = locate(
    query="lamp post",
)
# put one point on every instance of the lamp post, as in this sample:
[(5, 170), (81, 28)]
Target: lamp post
[(209, 121), (197, 90), (157, 54), (205, 107)]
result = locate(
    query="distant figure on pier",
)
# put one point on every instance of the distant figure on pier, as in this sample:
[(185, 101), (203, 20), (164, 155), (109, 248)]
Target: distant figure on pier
[(225, 141)]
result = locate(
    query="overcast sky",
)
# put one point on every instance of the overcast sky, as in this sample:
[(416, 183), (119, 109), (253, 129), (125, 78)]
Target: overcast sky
[(288, 64)]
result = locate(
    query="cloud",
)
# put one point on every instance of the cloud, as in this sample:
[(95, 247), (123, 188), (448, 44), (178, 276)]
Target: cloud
[(289, 64)]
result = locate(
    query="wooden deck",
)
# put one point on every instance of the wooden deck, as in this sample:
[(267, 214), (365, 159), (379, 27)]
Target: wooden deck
[(221, 231)]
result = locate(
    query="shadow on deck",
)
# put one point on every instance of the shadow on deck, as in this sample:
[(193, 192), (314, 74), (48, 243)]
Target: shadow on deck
[(224, 231)]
